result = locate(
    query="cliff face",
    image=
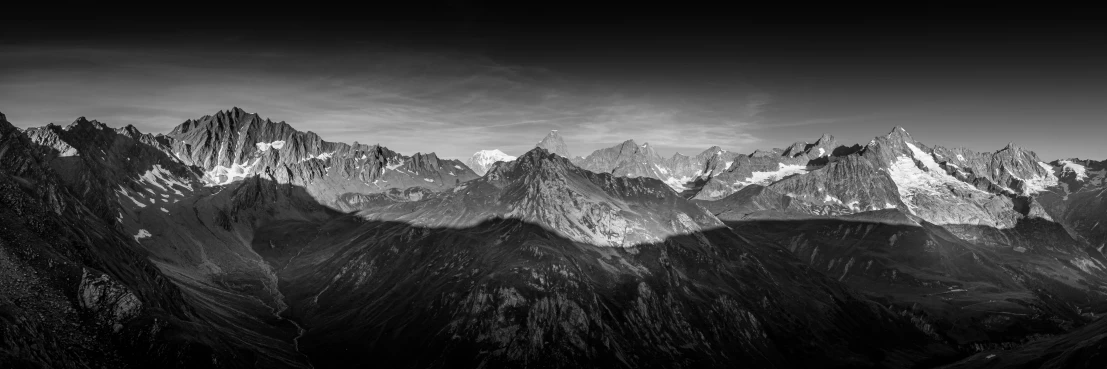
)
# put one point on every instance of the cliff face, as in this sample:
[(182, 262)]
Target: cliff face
[(554, 144), (233, 144)]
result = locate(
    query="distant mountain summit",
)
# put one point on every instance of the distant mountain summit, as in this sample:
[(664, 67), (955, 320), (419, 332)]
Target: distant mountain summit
[(482, 160), (544, 188), (233, 144), (554, 144), (763, 167)]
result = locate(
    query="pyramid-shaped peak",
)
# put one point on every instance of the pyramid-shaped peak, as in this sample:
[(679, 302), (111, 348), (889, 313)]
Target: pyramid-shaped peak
[(713, 150), (130, 131), (83, 122), (898, 133), (825, 138), (536, 160), (554, 143)]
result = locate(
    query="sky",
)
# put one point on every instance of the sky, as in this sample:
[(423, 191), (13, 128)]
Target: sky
[(463, 76)]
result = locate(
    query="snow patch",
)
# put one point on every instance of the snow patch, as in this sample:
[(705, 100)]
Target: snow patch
[(961, 158), (428, 179), (265, 146), (142, 233), (322, 156), (765, 178), (822, 152), (912, 181), (163, 180), (1038, 183), (1080, 170), (123, 191), (678, 183), (393, 165), (221, 175)]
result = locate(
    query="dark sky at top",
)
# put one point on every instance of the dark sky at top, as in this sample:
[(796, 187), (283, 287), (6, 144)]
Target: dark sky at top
[(463, 76)]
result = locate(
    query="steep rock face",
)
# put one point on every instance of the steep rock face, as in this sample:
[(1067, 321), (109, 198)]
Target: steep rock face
[(1079, 202), (74, 290), (482, 160), (112, 166), (233, 144), (1010, 170), (544, 188), (626, 160), (554, 144), (766, 167), (942, 194)]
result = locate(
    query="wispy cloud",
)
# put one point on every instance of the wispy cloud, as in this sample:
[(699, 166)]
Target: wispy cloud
[(450, 103)]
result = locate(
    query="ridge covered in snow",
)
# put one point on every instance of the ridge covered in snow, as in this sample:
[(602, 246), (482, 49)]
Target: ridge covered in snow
[(482, 160)]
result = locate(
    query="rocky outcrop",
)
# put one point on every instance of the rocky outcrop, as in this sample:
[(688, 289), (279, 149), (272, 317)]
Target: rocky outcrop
[(1079, 202), (111, 303)]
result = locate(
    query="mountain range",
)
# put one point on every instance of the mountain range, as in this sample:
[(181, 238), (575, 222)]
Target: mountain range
[(236, 241)]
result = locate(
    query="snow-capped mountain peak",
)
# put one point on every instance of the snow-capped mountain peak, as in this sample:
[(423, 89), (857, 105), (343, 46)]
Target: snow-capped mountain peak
[(482, 160)]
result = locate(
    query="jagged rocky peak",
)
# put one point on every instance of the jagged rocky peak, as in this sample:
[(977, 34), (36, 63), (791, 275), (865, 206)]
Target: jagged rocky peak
[(712, 151), (233, 144), (129, 131), (532, 162), (84, 123), (555, 144), (649, 150), (765, 153), (898, 133), (825, 139), (482, 161), (629, 147), (797, 148)]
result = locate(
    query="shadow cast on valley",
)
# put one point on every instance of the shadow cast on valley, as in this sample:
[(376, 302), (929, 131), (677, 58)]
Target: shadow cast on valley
[(511, 293)]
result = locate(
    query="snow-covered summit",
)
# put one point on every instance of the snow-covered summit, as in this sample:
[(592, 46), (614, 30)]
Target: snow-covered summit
[(482, 160)]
